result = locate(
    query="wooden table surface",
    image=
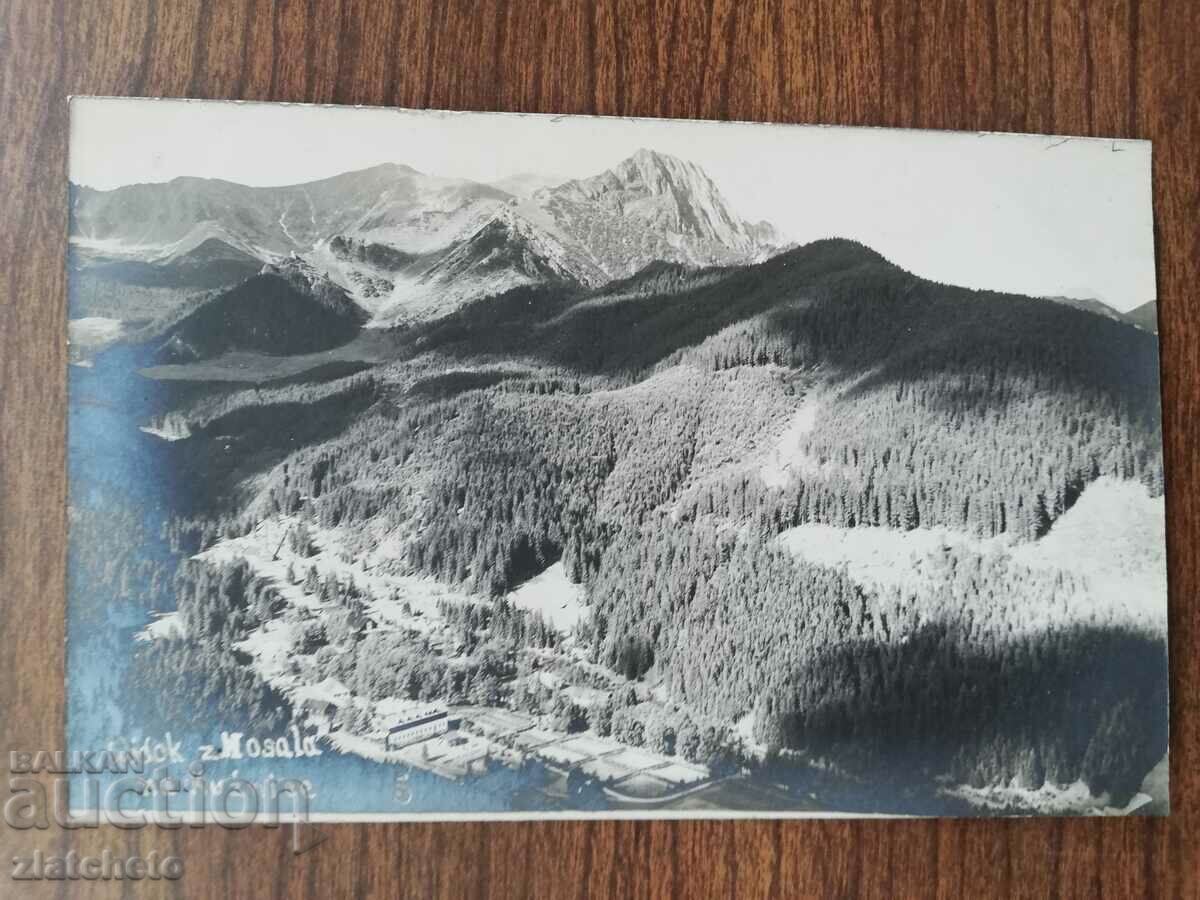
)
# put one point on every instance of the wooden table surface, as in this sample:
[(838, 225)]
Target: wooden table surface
[(1120, 68)]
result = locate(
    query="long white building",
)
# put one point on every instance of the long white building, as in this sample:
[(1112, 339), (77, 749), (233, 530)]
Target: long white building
[(419, 725)]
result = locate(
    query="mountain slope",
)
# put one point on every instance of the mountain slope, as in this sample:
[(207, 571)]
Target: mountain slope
[(914, 377), (1145, 316), (632, 324), (505, 253), (1089, 304), (396, 287), (281, 311)]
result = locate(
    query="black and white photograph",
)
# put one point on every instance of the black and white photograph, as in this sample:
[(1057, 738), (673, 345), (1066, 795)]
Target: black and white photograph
[(489, 465)]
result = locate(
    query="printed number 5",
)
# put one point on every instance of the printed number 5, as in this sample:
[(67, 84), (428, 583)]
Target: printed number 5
[(401, 792)]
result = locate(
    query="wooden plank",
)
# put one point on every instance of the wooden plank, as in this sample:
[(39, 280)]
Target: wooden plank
[(1113, 67)]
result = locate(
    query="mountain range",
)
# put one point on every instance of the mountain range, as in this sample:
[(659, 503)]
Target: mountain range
[(408, 246), (389, 245)]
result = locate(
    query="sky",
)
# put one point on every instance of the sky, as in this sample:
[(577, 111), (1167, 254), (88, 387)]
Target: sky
[(1044, 216)]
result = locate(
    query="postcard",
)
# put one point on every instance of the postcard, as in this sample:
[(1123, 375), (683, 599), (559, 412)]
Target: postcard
[(438, 465)]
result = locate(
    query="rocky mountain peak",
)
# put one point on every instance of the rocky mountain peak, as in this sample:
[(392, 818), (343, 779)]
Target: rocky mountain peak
[(654, 206), (660, 173)]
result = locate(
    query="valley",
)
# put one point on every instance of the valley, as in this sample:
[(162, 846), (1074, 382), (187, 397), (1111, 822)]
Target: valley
[(649, 502)]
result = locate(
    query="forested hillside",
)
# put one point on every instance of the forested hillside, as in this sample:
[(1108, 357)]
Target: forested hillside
[(271, 313), (655, 436), (941, 407)]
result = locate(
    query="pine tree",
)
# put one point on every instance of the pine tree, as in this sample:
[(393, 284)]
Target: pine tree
[(311, 581)]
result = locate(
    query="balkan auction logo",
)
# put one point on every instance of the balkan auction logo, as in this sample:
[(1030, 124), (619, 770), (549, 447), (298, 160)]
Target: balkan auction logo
[(42, 783)]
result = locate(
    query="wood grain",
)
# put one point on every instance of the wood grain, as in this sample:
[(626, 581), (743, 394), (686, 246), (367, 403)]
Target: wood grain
[(1121, 68)]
